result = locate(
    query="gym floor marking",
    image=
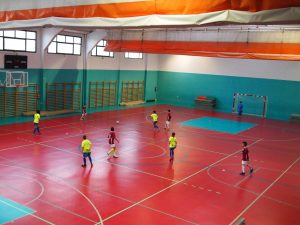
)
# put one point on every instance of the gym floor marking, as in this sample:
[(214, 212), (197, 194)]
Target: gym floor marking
[(193, 145)]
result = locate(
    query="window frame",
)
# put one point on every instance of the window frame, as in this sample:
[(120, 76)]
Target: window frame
[(65, 42), (2, 35), (101, 46), (142, 55)]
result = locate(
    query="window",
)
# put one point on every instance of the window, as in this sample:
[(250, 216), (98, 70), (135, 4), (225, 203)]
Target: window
[(99, 50), (133, 55), (18, 40), (65, 44)]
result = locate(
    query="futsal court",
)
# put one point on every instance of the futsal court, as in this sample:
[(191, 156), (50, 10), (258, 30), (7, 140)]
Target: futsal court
[(42, 181), (227, 70)]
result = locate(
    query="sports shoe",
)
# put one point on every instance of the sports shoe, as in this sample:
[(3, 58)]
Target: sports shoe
[(251, 170), (242, 173), (83, 165), (92, 165), (115, 156)]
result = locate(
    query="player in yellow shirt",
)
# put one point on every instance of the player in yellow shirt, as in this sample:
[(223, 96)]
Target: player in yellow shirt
[(36, 120), (86, 146), (172, 145), (154, 117)]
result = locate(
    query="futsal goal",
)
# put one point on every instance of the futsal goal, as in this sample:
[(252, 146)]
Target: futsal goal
[(254, 105)]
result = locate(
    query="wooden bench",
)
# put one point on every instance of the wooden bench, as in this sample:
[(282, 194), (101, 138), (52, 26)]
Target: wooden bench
[(49, 113), (206, 103), (295, 117), (132, 103)]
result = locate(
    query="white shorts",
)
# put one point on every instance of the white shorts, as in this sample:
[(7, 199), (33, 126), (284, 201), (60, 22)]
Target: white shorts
[(113, 145), (83, 114), (244, 162), (168, 122)]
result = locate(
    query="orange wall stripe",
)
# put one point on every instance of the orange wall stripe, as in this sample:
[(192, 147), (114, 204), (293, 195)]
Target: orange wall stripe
[(102, 10), (236, 50), (132, 9)]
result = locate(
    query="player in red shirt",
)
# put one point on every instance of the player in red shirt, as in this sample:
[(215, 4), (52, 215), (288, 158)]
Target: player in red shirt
[(83, 115), (245, 159), (111, 140), (168, 121)]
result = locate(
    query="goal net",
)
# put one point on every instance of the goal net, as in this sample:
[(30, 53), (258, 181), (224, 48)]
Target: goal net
[(254, 105)]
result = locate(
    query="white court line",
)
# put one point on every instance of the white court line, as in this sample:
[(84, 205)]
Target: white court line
[(31, 214), (68, 124), (60, 179), (41, 192), (51, 204), (278, 170), (57, 139), (245, 178), (79, 154), (228, 184), (261, 194), (146, 144), (281, 202), (180, 146), (104, 159), (252, 192), (144, 206), (26, 145), (140, 171), (240, 135), (60, 149), (174, 184), (203, 149)]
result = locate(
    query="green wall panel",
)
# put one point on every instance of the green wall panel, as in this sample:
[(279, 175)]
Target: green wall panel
[(182, 88), (62, 75), (151, 84)]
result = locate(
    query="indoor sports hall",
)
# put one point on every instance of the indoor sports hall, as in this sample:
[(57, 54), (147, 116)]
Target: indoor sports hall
[(188, 110)]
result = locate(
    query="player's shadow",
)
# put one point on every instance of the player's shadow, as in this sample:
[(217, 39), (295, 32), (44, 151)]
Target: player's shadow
[(86, 175), (155, 132), (170, 170)]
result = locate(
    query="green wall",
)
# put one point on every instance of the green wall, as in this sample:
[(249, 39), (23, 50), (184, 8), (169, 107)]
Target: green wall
[(151, 84), (42, 76), (182, 88), (149, 77)]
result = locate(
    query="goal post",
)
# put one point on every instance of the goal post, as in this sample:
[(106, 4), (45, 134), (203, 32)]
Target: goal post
[(254, 105)]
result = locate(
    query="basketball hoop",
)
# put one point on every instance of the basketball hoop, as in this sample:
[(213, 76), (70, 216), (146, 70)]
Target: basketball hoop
[(20, 85), (13, 78)]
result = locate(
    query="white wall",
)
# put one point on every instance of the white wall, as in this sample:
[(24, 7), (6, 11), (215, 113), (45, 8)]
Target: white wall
[(269, 69), (33, 58), (59, 61), (149, 61)]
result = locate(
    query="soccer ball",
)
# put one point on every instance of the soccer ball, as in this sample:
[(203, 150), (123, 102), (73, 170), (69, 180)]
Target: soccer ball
[(117, 121)]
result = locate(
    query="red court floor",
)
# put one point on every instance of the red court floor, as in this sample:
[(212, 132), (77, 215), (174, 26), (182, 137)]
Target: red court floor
[(141, 187)]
